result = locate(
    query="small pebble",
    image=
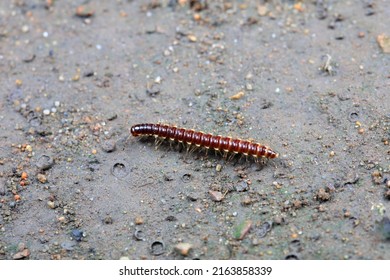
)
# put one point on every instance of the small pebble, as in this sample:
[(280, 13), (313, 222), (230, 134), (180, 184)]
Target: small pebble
[(77, 234), (112, 116), (139, 220), (24, 176), (322, 195), (108, 146), (183, 248), (51, 204), (44, 162), (216, 196), (84, 11), (262, 10), (246, 200), (237, 96), (278, 220), (46, 112), (108, 220), (294, 236), (277, 185), (192, 38), (384, 42), (21, 255), (376, 177), (57, 103), (321, 208), (197, 17), (242, 186), (243, 229), (25, 28), (218, 168), (41, 178)]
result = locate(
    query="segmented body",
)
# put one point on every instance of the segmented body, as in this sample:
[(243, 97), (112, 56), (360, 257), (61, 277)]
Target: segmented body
[(206, 140)]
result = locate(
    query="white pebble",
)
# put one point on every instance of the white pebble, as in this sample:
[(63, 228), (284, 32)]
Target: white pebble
[(25, 28), (54, 109), (46, 112), (57, 103)]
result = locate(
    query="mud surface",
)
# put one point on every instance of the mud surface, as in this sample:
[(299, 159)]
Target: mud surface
[(308, 79)]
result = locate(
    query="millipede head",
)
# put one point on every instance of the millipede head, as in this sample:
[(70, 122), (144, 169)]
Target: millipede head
[(134, 130)]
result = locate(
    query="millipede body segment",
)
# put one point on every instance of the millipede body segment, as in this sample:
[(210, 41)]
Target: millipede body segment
[(206, 140)]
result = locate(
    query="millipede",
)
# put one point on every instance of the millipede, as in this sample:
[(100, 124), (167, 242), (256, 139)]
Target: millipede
[(206, 140)]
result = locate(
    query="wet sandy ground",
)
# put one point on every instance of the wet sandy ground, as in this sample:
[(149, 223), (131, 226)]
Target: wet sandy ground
[(311, 79)]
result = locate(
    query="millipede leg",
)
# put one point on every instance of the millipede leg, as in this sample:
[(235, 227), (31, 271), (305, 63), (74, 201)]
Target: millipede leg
[(127, 138), (170, 145), (263, 160), (158, 142), (188, 148), (225, 155), (192, 149), (180, 147), (231, 157)]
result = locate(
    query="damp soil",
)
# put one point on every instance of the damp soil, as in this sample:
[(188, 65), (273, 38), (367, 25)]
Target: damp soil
[(310, 79)]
